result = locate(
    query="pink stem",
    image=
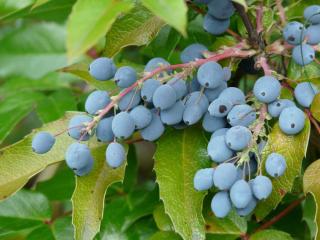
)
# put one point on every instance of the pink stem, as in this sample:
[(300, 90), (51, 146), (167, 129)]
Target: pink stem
[(265, 66), (259, 15), (282, 13)]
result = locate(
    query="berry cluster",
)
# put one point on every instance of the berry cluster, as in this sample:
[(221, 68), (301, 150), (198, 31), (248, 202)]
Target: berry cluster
[(217, 19), (304, 36)]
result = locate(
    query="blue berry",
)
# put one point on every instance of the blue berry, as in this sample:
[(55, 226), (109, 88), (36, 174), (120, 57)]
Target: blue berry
[(312, 14), (174, 114), (251, 168), (221, 9), (220, 107), (291, 120), (96, 101), (234, 95), (123, 125), (192, 52), (267, 89), (248, 209), (294, 33), (305, 92), (197, 98), (218, 149), (154, 130), (77, 125), (313, 34), (227, 73), (42, 142), (275, 165), (241, 115), (78, 156), (224, 176), (240, 194), (238, 138), (156, 63), (303, 54), (85, 170), (125, 77), (215, 26), (104, 130), (221, 204), (276, 107), (192, 114), (211, 124), (102, 69), (203, 179), (193, 85), (213, 93), (261, 187), (148, 89), (130, 100), (210, 75), (164, 97), (115, 154), (179, 86), (219, 132), (141, 116)]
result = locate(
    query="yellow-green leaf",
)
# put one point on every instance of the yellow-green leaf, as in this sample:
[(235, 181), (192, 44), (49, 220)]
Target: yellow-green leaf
[(178, 156), (271, 235), (88, 197), (293, 148), (89, 21), (315, 107), (242, 3), (173, 12), (138, 27), (18, 163), (311, 184)]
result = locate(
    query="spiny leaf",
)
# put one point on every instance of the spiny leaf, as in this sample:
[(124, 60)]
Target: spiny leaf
[(137, 27), (178, 156), (89, 21), (172, 12), (293, 148), (88, 197), (311, 184)]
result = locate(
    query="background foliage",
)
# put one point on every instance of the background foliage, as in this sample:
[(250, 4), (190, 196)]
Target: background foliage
[(45, 48)]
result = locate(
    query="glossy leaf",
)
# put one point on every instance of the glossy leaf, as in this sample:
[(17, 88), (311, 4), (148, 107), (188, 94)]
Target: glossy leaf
[(271, 235), (165, 235), (178, 156), (89, 21), (89, 194), (311, 185), (310, 72), (25, 49), (138, 27), (8, 7), (173, 13), (293, 148)]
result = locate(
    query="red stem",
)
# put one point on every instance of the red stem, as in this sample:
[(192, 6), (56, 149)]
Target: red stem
[(280, 215), (259, 15)]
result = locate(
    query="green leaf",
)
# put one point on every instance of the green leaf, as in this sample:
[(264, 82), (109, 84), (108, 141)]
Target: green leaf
[(39, 3), (271, 235), (62, 229), (56, 104), (315, 107), (165, 236), (43, 232), (310, 214), (24, 50), (23, 210), (143, 229), (121, 213), (18, 163), (293, 148), (137, 27), (89, 194), (311, 185), (178, 156), (162, 220), (310, 72), (173, 13), (131, 176), (81, 70), (89, 21), (8, 7)]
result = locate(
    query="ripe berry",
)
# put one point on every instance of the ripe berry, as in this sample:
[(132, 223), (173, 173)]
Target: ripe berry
[(221, 9), (241, 115), (148, 89), (211, 124), (78, 156), (305, 92), (164, 97), (203, 179), (77, 125), (261, 187), (102, 69), (294, 33), (303, 54), (174, 114), (96, 101), (221, 204), (42, 142), (267, 89), (234, 95), (276, 107), (125, 77), (238, 138), (215, 26), (220, 107), (210, 75), (275, 165), (130, 100), (224, 176), (104, 130), (154, 130), (141, 116), (123, 125), (192, 52), (213, 93), (291, 120), (115, 154), (312, 14), (240, 194), (218, 149)]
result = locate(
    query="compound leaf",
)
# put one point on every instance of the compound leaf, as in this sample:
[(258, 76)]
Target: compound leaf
[(178, 156)]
